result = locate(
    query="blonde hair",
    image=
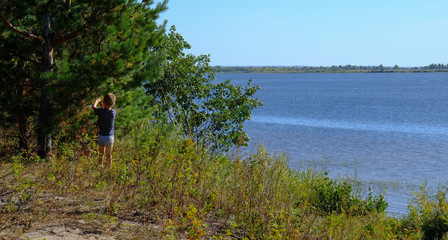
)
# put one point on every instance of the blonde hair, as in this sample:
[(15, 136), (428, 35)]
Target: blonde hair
[(109, 100)]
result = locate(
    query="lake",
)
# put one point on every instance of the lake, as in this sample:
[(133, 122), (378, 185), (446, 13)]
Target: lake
[(387, 130)]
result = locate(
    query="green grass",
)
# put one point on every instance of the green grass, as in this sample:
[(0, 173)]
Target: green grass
[(163, 187)]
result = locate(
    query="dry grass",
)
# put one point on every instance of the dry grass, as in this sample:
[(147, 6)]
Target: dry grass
[(161, 187)]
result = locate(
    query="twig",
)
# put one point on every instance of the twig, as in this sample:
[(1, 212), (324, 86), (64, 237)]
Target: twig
[(26, 34)]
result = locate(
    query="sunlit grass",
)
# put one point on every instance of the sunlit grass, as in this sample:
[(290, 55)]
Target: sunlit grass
[(162, 186)]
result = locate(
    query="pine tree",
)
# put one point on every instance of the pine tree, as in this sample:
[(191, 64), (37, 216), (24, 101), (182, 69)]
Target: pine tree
[(56, 54)]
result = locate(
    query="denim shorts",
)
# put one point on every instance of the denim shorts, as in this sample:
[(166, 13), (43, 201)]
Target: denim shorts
[(105, 140)]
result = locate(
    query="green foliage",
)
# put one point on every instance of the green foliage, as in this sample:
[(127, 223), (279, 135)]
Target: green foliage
[(332, 69), (435, 225), (428, 214), (98, 47), (375, 203), (329, 196), (437, 66), (211, 113), (134, 111)]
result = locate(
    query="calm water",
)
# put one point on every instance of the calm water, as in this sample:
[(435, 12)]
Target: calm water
[(390, 131)]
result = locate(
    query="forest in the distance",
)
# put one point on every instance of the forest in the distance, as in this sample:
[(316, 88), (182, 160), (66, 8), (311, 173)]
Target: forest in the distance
[(332, 69)]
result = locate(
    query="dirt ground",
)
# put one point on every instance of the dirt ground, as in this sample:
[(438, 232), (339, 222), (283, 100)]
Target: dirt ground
[(74, 229)]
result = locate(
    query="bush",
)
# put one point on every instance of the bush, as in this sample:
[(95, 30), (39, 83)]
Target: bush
[(428, 213), (329, 196), (435, 224)]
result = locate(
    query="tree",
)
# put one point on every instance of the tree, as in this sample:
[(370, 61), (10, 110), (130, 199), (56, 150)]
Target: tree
[(210, 113), (55, 54)]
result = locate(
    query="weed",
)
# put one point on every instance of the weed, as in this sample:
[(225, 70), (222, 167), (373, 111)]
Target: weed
[(169, 188)]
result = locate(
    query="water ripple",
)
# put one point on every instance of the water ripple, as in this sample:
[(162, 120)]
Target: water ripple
[(361, 126)]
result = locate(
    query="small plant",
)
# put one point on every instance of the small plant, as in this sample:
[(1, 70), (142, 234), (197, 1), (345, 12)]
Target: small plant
[(194, 223), (428, 214), (329, 196)]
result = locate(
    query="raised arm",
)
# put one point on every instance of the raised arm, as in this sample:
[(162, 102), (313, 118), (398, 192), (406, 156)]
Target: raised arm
[(98, 100)]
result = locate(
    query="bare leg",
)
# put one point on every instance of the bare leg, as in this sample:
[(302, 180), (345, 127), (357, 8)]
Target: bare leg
[(109, 149), (101, 150)]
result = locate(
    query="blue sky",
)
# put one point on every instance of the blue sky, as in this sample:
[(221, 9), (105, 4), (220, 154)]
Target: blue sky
[(314, 32)]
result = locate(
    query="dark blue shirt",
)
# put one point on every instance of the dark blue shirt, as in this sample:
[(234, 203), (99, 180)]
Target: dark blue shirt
[(106, 119)]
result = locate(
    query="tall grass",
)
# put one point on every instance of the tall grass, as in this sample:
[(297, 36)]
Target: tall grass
[(162, 186)]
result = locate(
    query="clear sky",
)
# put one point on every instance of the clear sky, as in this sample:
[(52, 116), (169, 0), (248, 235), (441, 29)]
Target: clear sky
[(314, 32)]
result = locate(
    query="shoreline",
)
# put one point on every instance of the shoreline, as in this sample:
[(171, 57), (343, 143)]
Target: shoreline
[(299, 72), (333, 69)]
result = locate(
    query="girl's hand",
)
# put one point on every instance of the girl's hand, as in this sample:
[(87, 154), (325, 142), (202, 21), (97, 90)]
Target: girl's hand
[(98, 100)]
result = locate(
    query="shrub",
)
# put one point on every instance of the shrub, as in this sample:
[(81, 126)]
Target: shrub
[(330, 196), (428, 213)]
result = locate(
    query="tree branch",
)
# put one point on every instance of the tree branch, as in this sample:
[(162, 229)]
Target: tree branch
[(65, 38), (29, 59), (26, 34), (68, 4)]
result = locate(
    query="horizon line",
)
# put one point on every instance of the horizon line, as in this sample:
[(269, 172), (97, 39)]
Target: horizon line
[(301, 66)]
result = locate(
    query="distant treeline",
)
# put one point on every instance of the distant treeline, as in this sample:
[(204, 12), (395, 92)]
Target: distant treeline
[(333, 69)]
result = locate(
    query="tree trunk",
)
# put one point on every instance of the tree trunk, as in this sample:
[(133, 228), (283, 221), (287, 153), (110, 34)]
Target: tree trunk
[(23, 133), (44, 134), (22, 118)]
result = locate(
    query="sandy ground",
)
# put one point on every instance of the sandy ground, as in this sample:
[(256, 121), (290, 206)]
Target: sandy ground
[(72, 229), (62, 232)]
